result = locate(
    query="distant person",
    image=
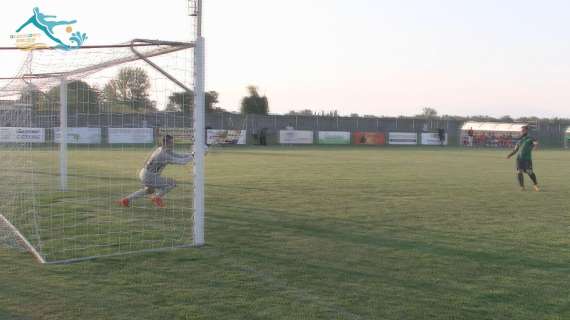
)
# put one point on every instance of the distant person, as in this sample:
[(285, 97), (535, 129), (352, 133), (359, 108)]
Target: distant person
[(470, 134), (263, 137), (154, 185), (441, 135), (524, 149), (289, 127)]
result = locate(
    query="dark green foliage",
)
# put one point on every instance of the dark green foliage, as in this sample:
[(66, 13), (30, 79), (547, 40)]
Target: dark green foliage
[(254, 103), (184, 101), (130, 88), (81, 98)]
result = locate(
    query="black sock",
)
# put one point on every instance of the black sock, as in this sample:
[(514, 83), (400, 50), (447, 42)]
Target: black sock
[(521, 179), (533, 178)]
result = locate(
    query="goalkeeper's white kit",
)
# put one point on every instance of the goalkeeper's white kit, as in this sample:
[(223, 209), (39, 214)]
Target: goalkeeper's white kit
[(153, 167)]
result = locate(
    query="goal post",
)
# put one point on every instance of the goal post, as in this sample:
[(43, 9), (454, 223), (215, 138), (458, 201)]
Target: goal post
[(196, 10), (199, 141), (63, 134)]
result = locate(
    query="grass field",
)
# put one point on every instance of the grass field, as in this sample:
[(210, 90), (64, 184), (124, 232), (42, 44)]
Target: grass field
[(331, 233)]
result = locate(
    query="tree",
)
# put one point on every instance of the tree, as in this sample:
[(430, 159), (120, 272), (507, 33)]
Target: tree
[(332, 113), (81, 97), (172, 108), (130, 88), (482, 118), (35, 98), (428, 113), (305, 112), (181, 102), (211, 100), (254, 103), (184, 102)]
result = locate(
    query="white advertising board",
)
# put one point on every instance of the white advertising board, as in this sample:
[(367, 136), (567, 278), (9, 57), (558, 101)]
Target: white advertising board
[(295, 137), (79, 135), (22, 135), (334, 137), (226, 136), (403, 138), (131, 135), (432, 139)]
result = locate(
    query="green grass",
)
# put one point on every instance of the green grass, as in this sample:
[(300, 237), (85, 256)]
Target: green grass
[(325, 233), (85, 221)]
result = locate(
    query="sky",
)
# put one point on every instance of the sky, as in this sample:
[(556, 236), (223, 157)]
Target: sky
[(372, 57)]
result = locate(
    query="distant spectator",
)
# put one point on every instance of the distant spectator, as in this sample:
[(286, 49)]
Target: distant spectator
[(263, 137), (289, 127), (470, 134), (441, 134)]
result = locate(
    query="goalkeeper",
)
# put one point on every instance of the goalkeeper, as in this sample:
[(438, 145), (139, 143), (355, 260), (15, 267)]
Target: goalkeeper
[(524, 158), (154, 185)]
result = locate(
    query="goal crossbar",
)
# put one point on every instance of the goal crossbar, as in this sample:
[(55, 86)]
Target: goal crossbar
[(166, 48)]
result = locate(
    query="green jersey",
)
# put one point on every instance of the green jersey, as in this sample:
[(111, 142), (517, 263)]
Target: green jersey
[(525, 146)]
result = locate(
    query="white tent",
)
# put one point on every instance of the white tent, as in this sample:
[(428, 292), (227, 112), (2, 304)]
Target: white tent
[(491, 134), (493, 127)]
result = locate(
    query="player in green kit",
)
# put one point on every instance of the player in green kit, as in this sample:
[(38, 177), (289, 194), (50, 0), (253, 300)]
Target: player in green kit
[(524, 158)]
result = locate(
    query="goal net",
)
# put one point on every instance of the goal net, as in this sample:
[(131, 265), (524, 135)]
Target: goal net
[(75, 129)]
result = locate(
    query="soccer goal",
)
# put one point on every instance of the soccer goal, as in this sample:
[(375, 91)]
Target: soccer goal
[(77, 126)]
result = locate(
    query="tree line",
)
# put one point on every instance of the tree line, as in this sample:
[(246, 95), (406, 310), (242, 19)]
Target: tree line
[(428, 113), (129, 91)]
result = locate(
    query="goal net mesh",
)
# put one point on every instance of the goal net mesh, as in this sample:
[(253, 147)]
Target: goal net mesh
[(120, 100)]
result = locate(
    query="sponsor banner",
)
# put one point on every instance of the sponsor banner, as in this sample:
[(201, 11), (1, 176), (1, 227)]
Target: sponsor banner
[(403, 138), (131, 135), (374, 138), (432, 139), (181, 135), (295, 137), (226, 136), (79, 135), (334, 137), (22, 135)]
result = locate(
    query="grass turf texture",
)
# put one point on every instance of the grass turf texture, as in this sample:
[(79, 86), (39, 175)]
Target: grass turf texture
[(332, 233)]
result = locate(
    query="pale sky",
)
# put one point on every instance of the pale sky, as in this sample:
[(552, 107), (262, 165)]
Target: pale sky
[(361, 56)]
